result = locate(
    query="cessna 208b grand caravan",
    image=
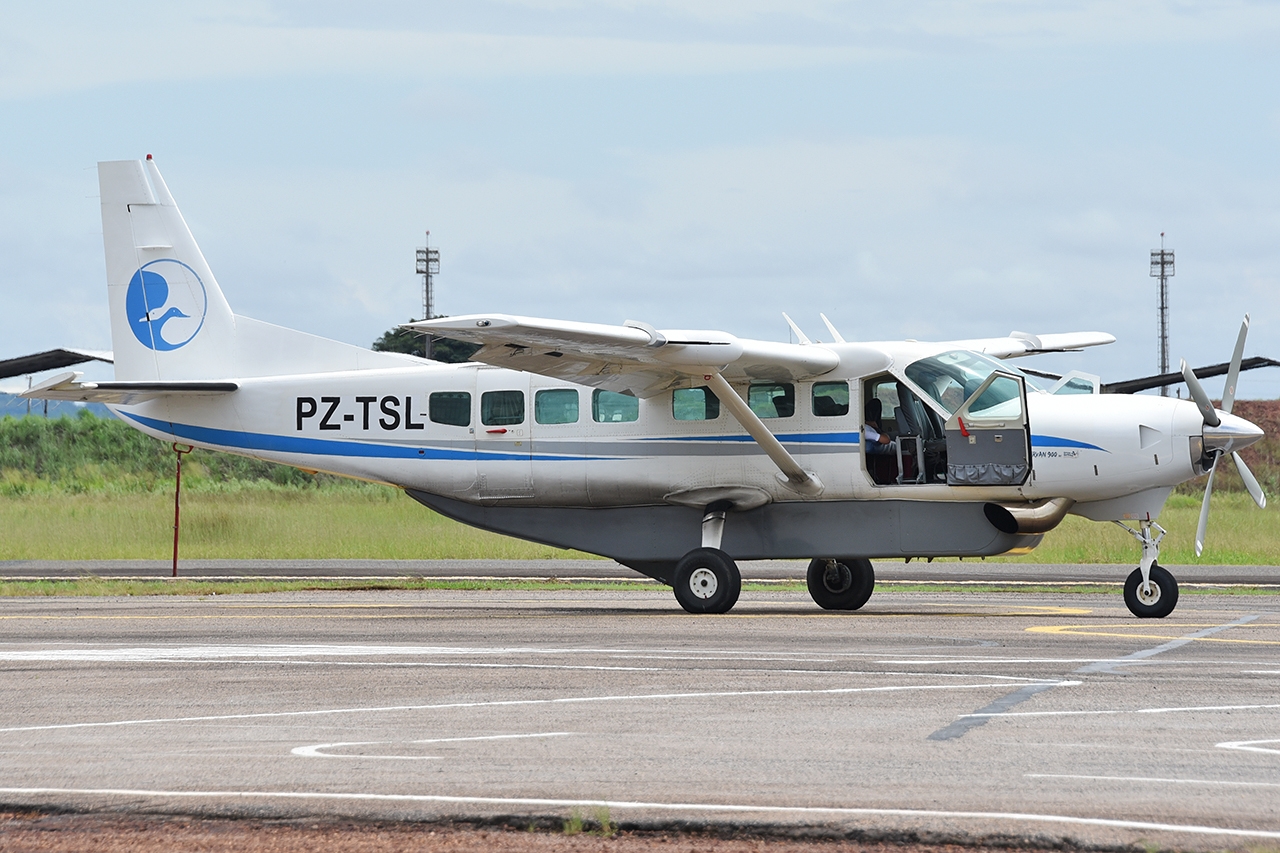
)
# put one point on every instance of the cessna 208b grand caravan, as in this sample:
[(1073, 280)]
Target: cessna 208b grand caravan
[(674, 452)]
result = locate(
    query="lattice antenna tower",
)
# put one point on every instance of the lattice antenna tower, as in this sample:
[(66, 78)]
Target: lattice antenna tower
[(1162, 268), (428, 266)]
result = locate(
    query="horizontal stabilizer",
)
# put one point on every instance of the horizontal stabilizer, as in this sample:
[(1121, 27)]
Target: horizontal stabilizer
[(633, 358), (67, 386), (50, 360)]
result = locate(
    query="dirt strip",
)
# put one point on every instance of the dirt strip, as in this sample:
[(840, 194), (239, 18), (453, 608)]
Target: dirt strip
[(34, 832)]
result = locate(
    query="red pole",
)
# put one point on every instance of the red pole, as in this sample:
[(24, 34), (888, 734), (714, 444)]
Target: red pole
[(177, 503)]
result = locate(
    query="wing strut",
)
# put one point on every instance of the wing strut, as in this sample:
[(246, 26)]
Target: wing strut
[(805, 482)]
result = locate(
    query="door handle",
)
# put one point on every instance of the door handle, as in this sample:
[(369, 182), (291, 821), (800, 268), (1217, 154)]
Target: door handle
[(498, 431)]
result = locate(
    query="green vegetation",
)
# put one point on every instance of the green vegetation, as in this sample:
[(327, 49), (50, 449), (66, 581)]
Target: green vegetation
[(1239, 534), (250, 521), (94, 488), (447, 350)]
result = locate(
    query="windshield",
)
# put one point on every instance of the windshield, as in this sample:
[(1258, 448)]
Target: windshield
[(952, 377)]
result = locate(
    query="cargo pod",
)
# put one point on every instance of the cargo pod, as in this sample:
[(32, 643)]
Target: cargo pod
[(988, 442)]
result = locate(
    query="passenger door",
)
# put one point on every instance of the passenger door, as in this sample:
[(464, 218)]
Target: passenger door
[(504, 461), (988, 440)]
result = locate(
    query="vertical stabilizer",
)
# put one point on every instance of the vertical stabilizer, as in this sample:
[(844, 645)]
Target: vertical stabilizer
[(169, 319)]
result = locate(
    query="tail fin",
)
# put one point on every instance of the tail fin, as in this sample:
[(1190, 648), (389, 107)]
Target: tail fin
[(169, 319)]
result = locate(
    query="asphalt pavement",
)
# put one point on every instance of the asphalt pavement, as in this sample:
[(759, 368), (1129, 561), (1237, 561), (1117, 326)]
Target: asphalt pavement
[(964, 716)]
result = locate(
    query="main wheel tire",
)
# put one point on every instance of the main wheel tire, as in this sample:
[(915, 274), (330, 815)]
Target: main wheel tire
[(842, 584), (707, 581), (1155, 603)]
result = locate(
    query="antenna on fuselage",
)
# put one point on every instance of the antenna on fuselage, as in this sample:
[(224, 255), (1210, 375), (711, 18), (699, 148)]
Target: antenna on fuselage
[(836, 336), (801, 336)]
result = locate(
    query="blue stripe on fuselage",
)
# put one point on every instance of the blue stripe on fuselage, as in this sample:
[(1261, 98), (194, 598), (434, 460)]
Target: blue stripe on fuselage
[(851, 438), (317, 446), (1054, 441)]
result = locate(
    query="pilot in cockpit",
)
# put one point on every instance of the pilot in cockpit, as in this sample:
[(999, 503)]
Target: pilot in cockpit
[(873, 430)]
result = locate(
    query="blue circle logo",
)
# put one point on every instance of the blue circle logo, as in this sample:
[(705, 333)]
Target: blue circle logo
[(166, 303)]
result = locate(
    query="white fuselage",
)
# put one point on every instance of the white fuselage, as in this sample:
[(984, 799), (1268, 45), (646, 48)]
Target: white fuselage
[(1116, 456)]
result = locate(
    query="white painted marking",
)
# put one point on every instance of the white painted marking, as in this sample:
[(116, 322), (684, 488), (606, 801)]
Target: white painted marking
[(315, 751), (1140, 826), (1122, 711), (736, 670), (570, 700), (1154, 779), (134, 654), (1109, 665), (1250, 746)]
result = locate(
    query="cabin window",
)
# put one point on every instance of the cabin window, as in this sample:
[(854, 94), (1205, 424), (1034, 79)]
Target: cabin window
[(772, 399), (450, 407), (556, 406), (695, 404), (502, 408), (830, 399), (610, 407)]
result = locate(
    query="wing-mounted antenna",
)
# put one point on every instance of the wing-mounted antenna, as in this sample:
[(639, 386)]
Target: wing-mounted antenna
[(801, 336), (835, 336)]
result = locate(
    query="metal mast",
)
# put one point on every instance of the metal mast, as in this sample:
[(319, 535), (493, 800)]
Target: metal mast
[(427, 266), (1162, 268)]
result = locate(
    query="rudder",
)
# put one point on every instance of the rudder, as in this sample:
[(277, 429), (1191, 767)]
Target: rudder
[(169, 319)]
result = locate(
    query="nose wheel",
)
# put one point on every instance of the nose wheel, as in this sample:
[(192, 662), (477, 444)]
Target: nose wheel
[(843, 584), (1154, 599)]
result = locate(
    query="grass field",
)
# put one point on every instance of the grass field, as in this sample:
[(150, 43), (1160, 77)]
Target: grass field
[(264, 521), (258, 523)]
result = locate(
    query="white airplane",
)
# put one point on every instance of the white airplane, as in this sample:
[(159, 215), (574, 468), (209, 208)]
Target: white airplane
[(674, 452)]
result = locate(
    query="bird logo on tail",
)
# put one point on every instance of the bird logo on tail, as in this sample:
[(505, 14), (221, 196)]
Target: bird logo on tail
[(165, 304)]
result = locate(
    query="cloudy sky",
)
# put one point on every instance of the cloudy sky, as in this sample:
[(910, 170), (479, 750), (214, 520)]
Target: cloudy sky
[(926, 170)]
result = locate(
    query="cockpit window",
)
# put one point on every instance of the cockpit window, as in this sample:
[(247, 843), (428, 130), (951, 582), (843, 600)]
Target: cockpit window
[(952, 377)]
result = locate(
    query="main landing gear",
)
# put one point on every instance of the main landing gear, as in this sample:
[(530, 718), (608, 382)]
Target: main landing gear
[(706, 580), (843, 584), (1150, 592)]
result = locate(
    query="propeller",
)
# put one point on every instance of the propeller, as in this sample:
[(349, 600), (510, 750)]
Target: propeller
[(1224, 437)]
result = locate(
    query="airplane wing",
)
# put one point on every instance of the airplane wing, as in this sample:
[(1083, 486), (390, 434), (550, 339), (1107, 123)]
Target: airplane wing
[(1018, 344), (633, 358), (66, 386)]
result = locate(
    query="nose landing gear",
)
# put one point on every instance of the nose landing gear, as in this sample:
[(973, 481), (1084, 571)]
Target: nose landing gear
[(1150, 592)]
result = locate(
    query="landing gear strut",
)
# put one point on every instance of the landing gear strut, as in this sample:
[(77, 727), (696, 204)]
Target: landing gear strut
[(707, 579), (843, 584), (1150, 592)]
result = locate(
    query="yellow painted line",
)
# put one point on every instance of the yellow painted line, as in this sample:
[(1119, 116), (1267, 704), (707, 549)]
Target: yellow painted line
[(1037, 608), (1096, 631)]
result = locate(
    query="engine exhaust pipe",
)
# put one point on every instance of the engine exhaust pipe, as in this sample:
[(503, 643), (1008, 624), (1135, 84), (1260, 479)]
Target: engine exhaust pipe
[(1038, 517)]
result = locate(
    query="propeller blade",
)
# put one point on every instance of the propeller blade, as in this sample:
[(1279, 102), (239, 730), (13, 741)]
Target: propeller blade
[(1204, 507), (1229, 390), (1250, 482), (1202, 399)]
